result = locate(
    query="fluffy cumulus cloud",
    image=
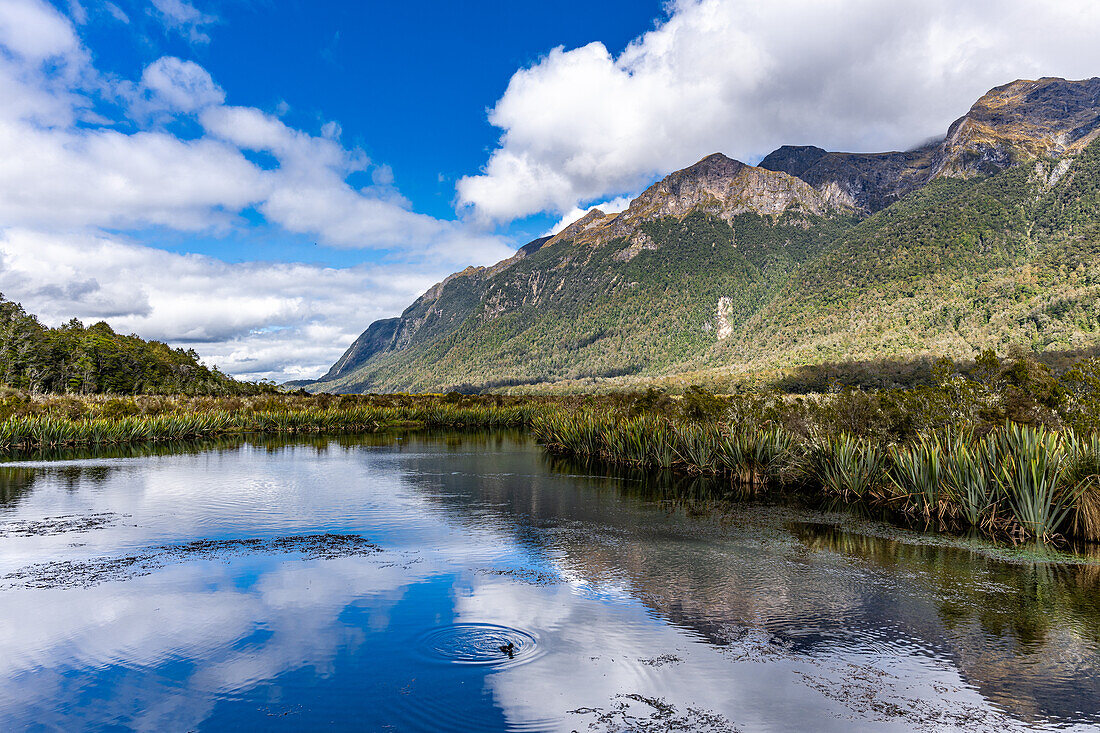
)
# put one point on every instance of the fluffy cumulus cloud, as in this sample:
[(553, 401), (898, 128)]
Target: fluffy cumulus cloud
[(35, 31), (181, 85), (254, 319), (73, 184), (744, 77)]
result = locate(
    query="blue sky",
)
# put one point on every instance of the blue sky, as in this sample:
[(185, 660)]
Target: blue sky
[(409, 83), (261, 180)]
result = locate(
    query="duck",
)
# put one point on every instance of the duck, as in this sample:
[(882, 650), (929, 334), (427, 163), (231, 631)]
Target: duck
[(509, 649)]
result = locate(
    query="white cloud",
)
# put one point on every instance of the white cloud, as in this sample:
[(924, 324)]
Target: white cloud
[(744, 77), (181, 85), (185, 19), (256, 319), (78, 12), (69, 178), (382, 175), (614, 206), (35, 30), (117, 13)]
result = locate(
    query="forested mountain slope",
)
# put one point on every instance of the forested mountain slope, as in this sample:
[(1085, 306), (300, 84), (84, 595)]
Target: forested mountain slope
[(985, 239), (95, 359)]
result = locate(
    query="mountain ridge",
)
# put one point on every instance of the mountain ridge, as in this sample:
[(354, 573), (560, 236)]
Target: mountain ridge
[(709, 266), (1018, 119)]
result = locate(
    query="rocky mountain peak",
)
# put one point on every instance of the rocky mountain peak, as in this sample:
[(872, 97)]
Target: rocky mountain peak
[(714, 167), (716, 185), (1019, 121), (793, 159)]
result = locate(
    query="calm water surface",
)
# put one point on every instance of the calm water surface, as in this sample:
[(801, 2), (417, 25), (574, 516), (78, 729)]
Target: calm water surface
[(376, 583)]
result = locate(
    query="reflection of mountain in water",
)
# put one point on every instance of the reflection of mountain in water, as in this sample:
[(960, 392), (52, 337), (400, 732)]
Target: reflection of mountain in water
[(1026, 636)]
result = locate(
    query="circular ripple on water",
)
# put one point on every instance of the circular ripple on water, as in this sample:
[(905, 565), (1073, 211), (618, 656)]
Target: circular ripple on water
[(479, 644)]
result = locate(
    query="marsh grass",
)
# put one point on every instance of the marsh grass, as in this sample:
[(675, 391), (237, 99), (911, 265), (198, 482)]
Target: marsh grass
[(916, 472), (44, 431), (1013, 481), (1018, 482), (846, 466), (969, 473), (1083, 472), (1032, 479)]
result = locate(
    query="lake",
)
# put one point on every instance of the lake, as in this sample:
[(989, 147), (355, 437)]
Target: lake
[(470, 582)]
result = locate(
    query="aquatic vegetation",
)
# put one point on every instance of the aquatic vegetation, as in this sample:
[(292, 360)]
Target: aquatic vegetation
[(697, 447), (756, 457), (846, 466), (1018, 482), (1030, 478), (1083, 473), (969, 473), (916, 471), (55, 431)]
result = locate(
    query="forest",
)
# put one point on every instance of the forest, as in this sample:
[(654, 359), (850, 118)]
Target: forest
[(78, 359)]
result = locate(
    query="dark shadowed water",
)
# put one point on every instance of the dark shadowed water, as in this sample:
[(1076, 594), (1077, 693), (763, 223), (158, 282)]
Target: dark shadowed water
[(469, 582)]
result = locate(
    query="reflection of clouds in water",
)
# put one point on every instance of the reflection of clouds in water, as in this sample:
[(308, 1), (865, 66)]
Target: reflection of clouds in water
[(232, 494), (170, 645), (198, 612), (596, 652), (234, 623)]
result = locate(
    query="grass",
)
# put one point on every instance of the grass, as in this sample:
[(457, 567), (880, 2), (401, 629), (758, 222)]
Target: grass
[(1011, 481), (1018, 482), (106, 423)]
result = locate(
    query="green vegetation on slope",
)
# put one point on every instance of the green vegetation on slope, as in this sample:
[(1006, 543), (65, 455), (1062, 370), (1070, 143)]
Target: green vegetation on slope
[(956, 267), (1004, 261), (95, 359), (569, 312)]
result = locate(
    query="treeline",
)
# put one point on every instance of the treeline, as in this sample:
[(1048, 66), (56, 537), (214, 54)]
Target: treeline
[(79, 359)]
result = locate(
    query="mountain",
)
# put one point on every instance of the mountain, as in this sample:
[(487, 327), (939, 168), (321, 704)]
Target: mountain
[(726, 271), (95, 359), (1014, 123)]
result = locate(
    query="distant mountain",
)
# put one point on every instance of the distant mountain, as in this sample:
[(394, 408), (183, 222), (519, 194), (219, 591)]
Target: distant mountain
[(987, 238), (95, 359), (1014, 123)]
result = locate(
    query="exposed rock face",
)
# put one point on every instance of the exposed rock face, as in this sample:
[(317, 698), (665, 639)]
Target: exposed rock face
[(715, 185), (863, 181), (1013, 123), (1022, 121)]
